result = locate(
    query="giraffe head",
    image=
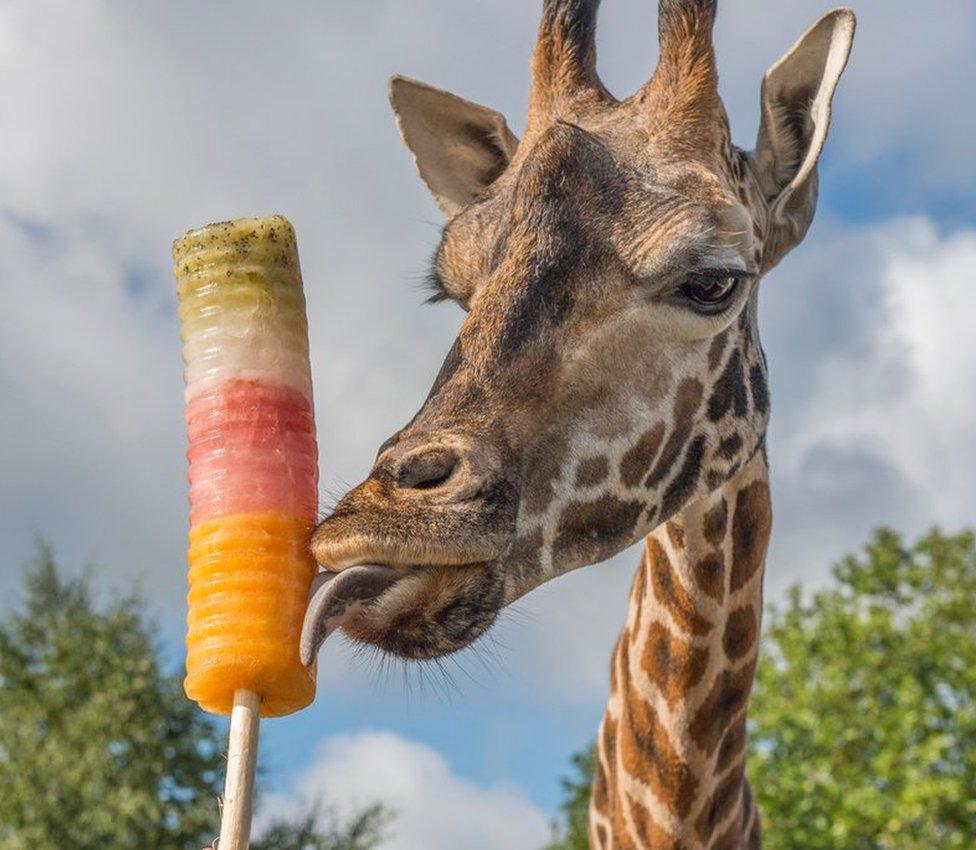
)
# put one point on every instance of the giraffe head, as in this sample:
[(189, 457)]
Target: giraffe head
[(609, 370)]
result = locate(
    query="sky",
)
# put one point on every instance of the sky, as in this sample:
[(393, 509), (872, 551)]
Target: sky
[(124, 124)]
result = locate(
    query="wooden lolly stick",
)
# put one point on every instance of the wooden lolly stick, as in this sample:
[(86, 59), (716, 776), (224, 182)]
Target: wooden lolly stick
[(242, 757)]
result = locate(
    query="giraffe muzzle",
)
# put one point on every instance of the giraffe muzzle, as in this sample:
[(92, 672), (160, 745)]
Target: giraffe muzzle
[(336, 597)]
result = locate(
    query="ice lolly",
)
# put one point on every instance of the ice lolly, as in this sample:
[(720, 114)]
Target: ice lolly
[(252, 463)]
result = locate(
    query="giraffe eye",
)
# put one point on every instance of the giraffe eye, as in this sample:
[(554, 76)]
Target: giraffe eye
[(711, 290)]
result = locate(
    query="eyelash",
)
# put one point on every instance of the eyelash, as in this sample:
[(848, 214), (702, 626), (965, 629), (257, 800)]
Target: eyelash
[(434, 285), (695, 287)]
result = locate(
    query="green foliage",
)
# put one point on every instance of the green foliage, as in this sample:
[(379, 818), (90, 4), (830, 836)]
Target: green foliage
[(572, 833), (864, 714), (863, 720), (98, 748), (364, 831)]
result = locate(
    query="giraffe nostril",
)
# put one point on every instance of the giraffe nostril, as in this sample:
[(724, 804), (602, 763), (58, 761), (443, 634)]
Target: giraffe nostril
[(427, 469)]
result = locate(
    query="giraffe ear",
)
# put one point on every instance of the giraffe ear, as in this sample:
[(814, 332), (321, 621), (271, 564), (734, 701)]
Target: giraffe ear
[(460, 148), (796, 104)]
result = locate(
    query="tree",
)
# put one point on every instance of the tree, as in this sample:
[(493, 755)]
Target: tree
[(864, 714), (572, 833), (98, 748), (363, 831)]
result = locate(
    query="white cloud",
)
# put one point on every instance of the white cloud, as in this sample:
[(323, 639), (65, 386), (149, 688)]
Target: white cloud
[(911, 398), (434, 808), (114, 108), (93, 451), (878, 419)]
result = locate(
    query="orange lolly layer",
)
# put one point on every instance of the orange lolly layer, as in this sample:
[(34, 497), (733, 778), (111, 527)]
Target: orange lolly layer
[(249, 580)]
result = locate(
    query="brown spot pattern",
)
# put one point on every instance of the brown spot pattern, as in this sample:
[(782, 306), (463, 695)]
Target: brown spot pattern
[(740, 632), (609, 744), (592, 471), (729, 393), (620, 831), (715, 522), (755, 834), (637, 460), (542, 471), (716, 479), (733, 744), (638, 590), (710, 575), (676, 533), (649, 832), (731, 839), (686, 403), (751, 526), (615, 659), (720, 805), (601, 836), (716, 350), (748, 804), (683, 487), (646, 751), (730, 447), (760, 393), (592, 531), (600, 794), (674, 665), (729, 695), (669, 591)]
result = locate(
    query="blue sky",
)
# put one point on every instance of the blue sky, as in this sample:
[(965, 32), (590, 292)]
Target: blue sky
[(125, 124)]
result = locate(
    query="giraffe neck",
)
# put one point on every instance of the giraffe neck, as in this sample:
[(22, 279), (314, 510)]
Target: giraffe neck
[(671, 751)]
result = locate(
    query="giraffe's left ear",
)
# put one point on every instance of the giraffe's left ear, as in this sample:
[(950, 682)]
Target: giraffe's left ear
[(796, 103)]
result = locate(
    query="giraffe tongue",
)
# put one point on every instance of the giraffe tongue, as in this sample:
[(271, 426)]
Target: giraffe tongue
[(335, 597)]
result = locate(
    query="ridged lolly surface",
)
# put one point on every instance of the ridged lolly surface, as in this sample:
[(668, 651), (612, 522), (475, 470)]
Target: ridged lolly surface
[(252, 448), (242, 308), (245, 614), (253, 463)]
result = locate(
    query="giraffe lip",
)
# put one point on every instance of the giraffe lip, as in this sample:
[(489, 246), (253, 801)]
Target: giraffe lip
[(339, 555), (336, 597)]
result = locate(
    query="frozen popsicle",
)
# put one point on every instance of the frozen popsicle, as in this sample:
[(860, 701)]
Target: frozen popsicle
[(252, 463)]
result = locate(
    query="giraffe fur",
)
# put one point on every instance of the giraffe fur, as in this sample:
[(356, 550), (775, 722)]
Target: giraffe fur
[(607, 385)]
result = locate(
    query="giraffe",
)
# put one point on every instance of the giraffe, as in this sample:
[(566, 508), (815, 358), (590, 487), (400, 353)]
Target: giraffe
[(607, 385)]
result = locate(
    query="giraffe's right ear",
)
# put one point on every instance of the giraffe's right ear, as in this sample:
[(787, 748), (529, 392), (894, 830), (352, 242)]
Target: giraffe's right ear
[(460, 147), (797, 94)]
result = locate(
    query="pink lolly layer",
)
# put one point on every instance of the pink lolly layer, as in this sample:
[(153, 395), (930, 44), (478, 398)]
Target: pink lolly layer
[(252, 449)]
